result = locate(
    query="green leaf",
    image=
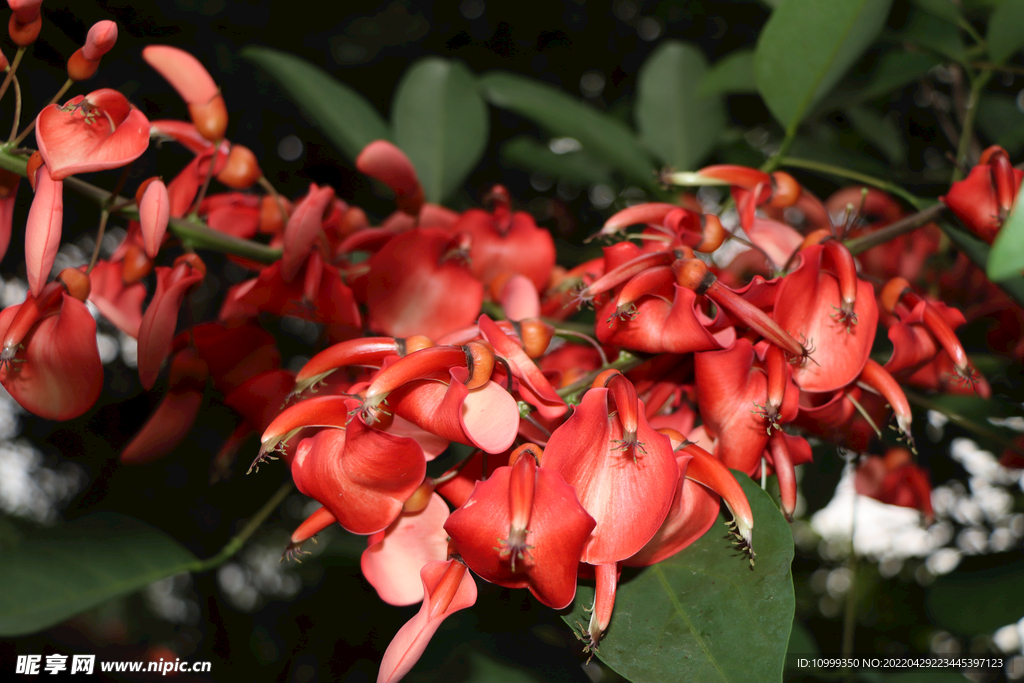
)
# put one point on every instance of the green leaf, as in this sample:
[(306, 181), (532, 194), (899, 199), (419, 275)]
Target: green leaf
[(678, 126), (891, 71), (943, 9), (578, 167), (1002, 122), (1006, 258), (703, 615), (879, 131), (1004, 36), (995, 584), (734, 73), (931, 33), (978, 252), (339, 112), (56, 573), (440, 122), (600, 134), (807, 46)]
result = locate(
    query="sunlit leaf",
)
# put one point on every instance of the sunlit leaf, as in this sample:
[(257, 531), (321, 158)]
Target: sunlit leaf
[(601, 135), (703, 615), (733, 73), (55, 574), (1004, 36), (440, 122), (677, 125), (807, 46), (339, 112), (1006, 259)]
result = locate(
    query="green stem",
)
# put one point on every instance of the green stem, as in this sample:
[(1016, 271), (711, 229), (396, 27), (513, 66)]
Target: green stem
[(975, 36), (625, 362), (192, 232), (859, 245), (236, 543), (10, 71), (776, 159), (17, 107), (967, 134), (840, 172), (32, 124)]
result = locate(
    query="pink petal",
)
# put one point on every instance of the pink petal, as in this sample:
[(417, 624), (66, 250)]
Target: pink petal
[(43, 229), (154, 214), (61, 376), (183, 71), (449, 587), (302, 229), (100, 40), (395, 557), (119, 304), (70, 144), (160, 319)]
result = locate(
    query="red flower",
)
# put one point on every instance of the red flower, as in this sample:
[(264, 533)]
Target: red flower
[(895, 479), (93, 132), (50, 363), (985, 197), (524, 528)]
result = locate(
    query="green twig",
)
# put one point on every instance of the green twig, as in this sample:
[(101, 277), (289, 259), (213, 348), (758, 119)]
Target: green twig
[(840, 172), (192, 232), (967, 134), (236, 543), (859, 245)]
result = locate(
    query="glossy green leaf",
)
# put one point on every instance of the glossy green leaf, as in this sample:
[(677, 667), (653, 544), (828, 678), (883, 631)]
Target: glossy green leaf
[(1002, 122), (578, 167), (878, 130), (943, 9), (339, 112), (733, 73), (995, 584), (704, 615), (890, 72), (1004, 36), (935, 35), (807, 46), (440, 122), (55, 574), (601, 135), (677, 125), (1006, 259), (978, 252)]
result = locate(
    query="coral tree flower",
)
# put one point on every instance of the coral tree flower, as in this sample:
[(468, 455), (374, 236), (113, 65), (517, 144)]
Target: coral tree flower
[(629, 494), (895, 479), (50, 363), (93, 132), (195, 85), (524, 528), (449, 587), (985, 197)]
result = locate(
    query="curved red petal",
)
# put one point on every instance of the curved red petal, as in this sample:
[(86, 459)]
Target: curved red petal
[(43, 229), (392, 564), (60, 374)]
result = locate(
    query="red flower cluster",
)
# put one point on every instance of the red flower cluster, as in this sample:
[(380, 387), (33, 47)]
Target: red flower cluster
[(581, 466)]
